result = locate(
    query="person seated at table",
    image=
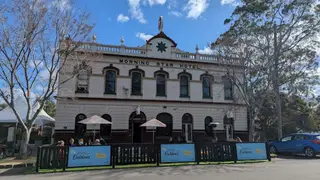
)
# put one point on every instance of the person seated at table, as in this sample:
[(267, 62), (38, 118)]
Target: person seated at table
[(80, 142), (89, 143), (71, 142), (97, 142)]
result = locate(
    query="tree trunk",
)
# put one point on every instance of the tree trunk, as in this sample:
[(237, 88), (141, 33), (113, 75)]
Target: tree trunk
[(24, 144), (276, 82), (251, 124)]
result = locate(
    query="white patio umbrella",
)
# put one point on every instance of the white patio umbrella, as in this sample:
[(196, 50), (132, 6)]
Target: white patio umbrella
[(153, 123), (95, 120)]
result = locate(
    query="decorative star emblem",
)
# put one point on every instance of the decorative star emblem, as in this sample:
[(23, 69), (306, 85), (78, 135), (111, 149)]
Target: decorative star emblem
[(161, 47)]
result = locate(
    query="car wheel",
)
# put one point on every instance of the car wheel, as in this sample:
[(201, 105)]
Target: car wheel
[(309, 152), (273, 150)]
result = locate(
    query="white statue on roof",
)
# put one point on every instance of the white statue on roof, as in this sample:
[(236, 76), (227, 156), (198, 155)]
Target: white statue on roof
[(160, 23)]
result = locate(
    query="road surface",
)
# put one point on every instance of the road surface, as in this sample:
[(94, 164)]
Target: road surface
[(282, 169)]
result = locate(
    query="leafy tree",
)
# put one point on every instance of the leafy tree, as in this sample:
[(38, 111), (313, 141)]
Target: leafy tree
[(286, 35), (2, 106), (50, 107), (37, 37), (297, 116)]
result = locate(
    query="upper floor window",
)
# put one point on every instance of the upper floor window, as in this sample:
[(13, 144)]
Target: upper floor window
[(184, 78), (206, 86), (161, 80), (110, 82), (136, 81), (83, 72), (228, 88), (110, 79), (161, 85)]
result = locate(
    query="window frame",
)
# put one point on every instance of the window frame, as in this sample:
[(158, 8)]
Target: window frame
[(164, 94), (78, 71), (287, 137), (107, 82), (142, 75), (210, 79), (189, 76), (226, 80)]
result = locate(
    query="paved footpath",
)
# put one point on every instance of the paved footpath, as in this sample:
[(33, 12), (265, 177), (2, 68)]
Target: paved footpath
[(282, 169)]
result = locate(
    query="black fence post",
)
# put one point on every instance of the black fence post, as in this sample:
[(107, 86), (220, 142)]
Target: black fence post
[(197, 152), (65, 157), (113, 157), (268, 151), (158, 153), (38, 159), (234, 152)]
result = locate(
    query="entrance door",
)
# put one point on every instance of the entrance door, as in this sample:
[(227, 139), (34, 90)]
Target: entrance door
[(187, 132), (137, 132)]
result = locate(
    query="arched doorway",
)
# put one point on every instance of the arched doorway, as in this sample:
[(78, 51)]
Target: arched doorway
[(105, 129), (187, 127), (80, 129), (136, 132), (166, 118)]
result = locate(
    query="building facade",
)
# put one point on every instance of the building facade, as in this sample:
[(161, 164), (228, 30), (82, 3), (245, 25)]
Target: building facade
[(130, 85)]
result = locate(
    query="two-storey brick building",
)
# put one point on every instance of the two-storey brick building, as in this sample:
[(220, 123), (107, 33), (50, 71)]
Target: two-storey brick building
[(130, 85)]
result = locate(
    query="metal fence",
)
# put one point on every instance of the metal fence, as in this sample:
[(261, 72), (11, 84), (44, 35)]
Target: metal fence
[(55, 157)]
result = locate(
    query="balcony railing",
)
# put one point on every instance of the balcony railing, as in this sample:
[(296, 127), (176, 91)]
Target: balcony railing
[(145, 52)]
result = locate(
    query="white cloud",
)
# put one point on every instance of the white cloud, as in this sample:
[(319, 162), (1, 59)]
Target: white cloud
[(143, 36), (172, 4), (155, 2), (122, 18), (196, 7), (206, 50), (229, 2), (135, 9), (136, 12), (61, 4), (175, 13)]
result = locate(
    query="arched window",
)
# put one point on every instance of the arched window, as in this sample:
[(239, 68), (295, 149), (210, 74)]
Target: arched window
[(83, 72), (136, 81), (105, 129), (110, 82), (161, 85), (166, 118), (206, 87), (184, 78), (80, 129), (110, 73), (207, 127), (228, 89)]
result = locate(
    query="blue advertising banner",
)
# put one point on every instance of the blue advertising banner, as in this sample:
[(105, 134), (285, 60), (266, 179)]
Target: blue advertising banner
[(251, 151), (177, 153), (89, 156)]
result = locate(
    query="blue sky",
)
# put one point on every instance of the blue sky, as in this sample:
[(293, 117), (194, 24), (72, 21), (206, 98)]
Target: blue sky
[(187, 22)]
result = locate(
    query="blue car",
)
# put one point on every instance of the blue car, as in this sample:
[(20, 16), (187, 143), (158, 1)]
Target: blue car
[(298, 143)]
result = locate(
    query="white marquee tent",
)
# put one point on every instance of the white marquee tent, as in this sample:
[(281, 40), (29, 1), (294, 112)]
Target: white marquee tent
[(8, 116)]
